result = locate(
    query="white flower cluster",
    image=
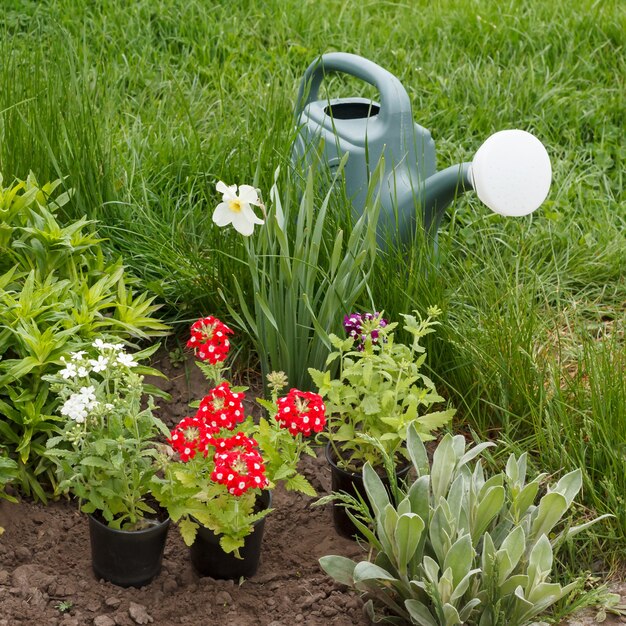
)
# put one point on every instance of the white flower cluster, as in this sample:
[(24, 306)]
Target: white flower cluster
[(78, 367), (78, 405)]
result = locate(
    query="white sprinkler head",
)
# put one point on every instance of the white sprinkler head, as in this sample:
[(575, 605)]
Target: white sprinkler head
[(511, 173)]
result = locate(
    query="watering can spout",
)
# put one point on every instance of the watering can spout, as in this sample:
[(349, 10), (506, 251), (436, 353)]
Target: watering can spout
[(441, 189), (510, 172), (429, 198)]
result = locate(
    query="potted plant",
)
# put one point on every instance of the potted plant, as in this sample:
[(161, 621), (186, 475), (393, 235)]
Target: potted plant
[(105, 456), (217, 479), (378, 392)]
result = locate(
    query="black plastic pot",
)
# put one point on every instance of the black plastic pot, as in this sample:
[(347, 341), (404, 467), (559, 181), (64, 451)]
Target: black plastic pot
[(352, 484), (208, 558), (127, 558)]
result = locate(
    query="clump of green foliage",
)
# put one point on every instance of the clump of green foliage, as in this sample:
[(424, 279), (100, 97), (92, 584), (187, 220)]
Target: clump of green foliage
[(58, 291), (458, 547), (379, 391)]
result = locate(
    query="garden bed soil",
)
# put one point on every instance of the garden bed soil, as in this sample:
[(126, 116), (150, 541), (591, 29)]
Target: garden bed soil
[(46, 576)]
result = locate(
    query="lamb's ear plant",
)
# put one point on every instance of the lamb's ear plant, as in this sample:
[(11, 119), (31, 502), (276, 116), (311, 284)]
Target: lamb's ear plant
[(58, 291), (306, 272), (459, 547)]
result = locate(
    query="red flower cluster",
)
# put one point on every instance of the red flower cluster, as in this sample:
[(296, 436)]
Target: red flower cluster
[(301, 412), (209, 339), (221, 408), (190, 437), (238, 464)]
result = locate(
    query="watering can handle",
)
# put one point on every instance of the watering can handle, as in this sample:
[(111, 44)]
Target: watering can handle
[(394, 100)]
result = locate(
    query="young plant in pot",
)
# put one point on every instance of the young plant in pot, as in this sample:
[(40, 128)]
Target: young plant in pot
[(217, 478), (379, 391), (105, 456)]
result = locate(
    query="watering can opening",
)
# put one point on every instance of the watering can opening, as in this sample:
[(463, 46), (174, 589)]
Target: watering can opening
[(351, 110), (511, 171)]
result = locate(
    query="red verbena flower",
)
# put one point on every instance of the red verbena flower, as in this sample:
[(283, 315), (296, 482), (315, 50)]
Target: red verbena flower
[(209, 339), (238, 465), (301, 412), (221, 408), (189, 437), (239, 440)]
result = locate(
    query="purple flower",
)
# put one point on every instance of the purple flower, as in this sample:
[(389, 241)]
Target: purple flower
[(360, 326)]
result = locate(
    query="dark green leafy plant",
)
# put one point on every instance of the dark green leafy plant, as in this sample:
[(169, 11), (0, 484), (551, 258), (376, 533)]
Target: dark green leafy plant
[(458, 547), (58, 291)]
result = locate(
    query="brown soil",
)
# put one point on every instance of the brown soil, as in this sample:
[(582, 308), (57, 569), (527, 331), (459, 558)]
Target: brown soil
[(46, 576)]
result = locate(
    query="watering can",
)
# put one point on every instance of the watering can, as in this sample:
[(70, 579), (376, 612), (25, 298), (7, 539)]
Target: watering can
[(510, 172)]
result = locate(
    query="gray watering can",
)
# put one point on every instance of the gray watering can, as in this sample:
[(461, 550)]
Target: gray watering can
[(510, 172)]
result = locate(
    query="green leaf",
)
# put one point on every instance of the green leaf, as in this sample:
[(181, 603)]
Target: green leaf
[(451, 615), (515, 546), (301, 484), (340, 568), (284, 471), (408, 532), (375, 489), (188, 530), (569, 486), (550, 510), (436, 419), (460, 558), (490, 505), (368, 571), (94, 461), (471, 454), (540, 557), (419, 613), (229, 544), (444, 462), (510, 584), (524, 499)]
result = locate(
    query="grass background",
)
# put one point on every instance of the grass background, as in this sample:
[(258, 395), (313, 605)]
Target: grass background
[(143, 106)]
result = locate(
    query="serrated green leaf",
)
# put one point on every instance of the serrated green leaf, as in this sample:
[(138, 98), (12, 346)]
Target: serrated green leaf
[(94, 461), (301, 484), (188, 530), (229, 544)]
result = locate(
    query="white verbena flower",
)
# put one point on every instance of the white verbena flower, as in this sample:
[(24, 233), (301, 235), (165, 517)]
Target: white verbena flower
[(88, 393), (100, 365), (126, 359), (102, 345), (75, 408), (82, 372), (69, 371), (77, 356), (235, 209)]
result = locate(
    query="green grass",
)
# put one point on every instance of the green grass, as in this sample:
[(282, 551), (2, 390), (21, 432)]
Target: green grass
[(145, 105)]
